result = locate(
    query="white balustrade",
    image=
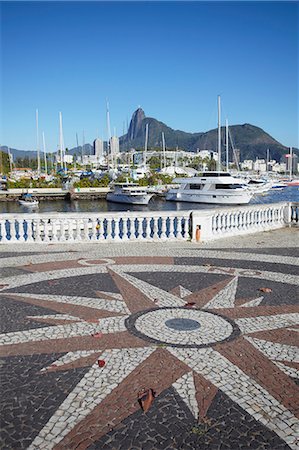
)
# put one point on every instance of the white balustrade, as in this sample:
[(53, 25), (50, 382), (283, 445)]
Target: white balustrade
[(144, 226)]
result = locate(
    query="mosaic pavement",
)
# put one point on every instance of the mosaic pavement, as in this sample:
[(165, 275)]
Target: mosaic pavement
[(213, 331)]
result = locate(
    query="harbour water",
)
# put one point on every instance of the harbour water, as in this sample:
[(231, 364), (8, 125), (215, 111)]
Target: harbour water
[(288, 194)]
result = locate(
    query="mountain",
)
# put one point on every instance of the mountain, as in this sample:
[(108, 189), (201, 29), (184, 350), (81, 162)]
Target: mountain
[(252, 141)]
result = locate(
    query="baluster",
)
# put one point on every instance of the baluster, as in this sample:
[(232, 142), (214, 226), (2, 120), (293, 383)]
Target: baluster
[(171, 228), (13, 230), (148, 229), (62, 230), (101, 229), (179, 228), (22, 231), (125, 230), (94, 230), (85, 230), (47, 229), (163, 228), (78, 230), (229, 220), (37, 230), (30, 234), (55, 237), (155, 228), (70, 229), (109, 230), (137, 228), (116, 229), (3, 231)]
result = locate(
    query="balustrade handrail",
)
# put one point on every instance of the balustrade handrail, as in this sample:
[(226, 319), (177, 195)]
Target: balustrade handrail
[(145, 225)]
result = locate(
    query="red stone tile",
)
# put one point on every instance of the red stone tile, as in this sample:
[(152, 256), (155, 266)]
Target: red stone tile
[(144, 260), (258, 367), (134, 299), (158, 372), (116, 340), (255, 311), (53, 265), (205, 393), (202, 297), (280, 335)]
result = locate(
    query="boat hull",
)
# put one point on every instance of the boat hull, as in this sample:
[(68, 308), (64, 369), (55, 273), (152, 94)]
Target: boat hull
[(129, 199), (222, 199), (28, 204)]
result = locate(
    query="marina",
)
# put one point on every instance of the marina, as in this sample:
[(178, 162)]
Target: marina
[(157, 203)]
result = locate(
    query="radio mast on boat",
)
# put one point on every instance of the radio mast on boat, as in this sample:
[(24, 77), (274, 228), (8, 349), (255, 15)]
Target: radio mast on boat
[(61, 143)]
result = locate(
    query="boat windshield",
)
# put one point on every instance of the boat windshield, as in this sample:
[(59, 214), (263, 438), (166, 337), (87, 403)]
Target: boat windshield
[(229, 186)]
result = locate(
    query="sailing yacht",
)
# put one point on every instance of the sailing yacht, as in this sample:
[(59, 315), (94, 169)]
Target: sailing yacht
[(211, 187)]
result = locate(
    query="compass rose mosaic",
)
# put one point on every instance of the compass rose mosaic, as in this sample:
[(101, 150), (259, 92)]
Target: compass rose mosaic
[(81, 337)]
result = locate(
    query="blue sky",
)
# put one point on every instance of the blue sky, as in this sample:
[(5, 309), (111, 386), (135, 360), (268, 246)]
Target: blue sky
[(172, 58)]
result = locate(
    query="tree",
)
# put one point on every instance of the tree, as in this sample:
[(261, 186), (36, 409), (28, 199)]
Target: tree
[(4, 163)]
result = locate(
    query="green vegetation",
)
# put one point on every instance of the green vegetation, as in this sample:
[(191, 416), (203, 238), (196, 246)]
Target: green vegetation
[(4, 163), (87, 182)]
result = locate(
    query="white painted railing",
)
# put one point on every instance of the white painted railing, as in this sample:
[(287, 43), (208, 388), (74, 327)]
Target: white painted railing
[(200, 225), (93, 227), (218, 223)]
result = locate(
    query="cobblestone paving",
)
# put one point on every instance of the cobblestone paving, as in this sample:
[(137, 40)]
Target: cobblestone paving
[(213, 329)]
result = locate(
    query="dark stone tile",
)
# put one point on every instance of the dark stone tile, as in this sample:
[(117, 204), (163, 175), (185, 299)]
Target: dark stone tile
[(13, 315), (289, 251), (84, 286), (237, 263), (170, 425), (29, 399), (11, 272)]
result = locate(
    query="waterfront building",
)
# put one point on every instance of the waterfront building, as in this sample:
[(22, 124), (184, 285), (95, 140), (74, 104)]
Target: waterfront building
[(98, 146)]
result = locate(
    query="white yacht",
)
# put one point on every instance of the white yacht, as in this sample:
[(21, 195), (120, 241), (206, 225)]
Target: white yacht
[(211, 187), (129, 193)]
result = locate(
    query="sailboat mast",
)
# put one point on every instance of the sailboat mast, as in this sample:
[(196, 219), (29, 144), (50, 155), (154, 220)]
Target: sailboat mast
[(45, 154), (145, 144), (219, 134), (109, 134), (37, 143), (62, 150), (226, 142), (291, 162), (163, 146)]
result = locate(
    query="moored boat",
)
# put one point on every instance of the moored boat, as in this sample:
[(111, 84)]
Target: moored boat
[(28, 201), (130, 193), (211, 187)]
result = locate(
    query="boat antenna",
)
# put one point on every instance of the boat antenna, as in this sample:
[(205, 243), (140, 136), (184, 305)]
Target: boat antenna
[(45, 154), (37, 143), (219, 134)]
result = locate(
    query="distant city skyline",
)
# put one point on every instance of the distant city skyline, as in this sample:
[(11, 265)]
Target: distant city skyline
[(170, 58)]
